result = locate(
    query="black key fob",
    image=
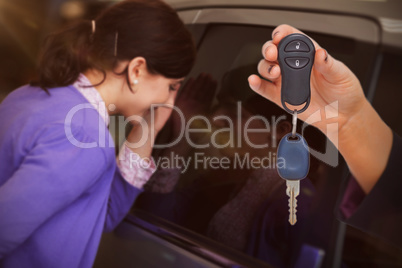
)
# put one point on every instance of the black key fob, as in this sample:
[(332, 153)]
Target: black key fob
[(296, 58)]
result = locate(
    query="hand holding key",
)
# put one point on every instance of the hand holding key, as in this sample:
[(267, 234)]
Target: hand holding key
[(331, 81), (295, 54)]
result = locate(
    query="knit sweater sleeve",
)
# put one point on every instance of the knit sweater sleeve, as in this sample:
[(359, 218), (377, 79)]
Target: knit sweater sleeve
[(52, 175)]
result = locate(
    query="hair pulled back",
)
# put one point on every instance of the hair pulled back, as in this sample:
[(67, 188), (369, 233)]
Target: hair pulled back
[(129, 29)]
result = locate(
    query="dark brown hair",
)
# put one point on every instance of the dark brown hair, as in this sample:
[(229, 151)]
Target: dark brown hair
[(132, 28)]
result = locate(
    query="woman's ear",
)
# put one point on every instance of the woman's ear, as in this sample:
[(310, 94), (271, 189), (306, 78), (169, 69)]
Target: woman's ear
[(137, 68), (283, 128)]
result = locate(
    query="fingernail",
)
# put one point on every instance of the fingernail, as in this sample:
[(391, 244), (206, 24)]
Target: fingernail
[(275, 33), (326, 55), (265, 51), (270, 68)]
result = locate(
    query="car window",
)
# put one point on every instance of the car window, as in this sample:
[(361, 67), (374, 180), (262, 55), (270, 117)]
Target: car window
[(205, 200), (388, 95), (362, 249)]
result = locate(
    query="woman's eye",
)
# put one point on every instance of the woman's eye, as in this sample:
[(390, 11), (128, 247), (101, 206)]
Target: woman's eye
[(173, 87)]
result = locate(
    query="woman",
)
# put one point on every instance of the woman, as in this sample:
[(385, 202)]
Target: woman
[(372, 151), (60, 187)]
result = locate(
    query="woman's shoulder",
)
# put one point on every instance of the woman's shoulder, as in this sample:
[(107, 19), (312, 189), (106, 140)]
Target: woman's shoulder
[(30, 112), (57, 105), (32, 94), (33, 100)]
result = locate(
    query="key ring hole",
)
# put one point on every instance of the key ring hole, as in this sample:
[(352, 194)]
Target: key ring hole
[(300, 108), (295, 107), (295, 138)]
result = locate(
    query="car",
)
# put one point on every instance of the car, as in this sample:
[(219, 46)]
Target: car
[(365, 35)]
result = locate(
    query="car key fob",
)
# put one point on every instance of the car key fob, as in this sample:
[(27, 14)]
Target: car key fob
[(296, 58)]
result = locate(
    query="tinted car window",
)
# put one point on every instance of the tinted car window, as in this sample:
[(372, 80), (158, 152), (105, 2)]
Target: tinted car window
[(200, 198)]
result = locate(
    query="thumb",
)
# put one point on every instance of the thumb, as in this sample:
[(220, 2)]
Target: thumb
[(331, 69)]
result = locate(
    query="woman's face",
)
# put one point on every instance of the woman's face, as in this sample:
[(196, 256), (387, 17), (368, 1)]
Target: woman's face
[(150, 89)]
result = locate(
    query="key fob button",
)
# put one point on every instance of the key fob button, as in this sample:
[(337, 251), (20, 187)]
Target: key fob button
[(297, 46), (297, 63)]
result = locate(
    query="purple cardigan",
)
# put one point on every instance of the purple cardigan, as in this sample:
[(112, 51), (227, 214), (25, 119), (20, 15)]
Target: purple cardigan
[(56, 199)]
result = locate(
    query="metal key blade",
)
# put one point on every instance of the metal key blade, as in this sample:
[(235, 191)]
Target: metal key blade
[(293, 189)]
